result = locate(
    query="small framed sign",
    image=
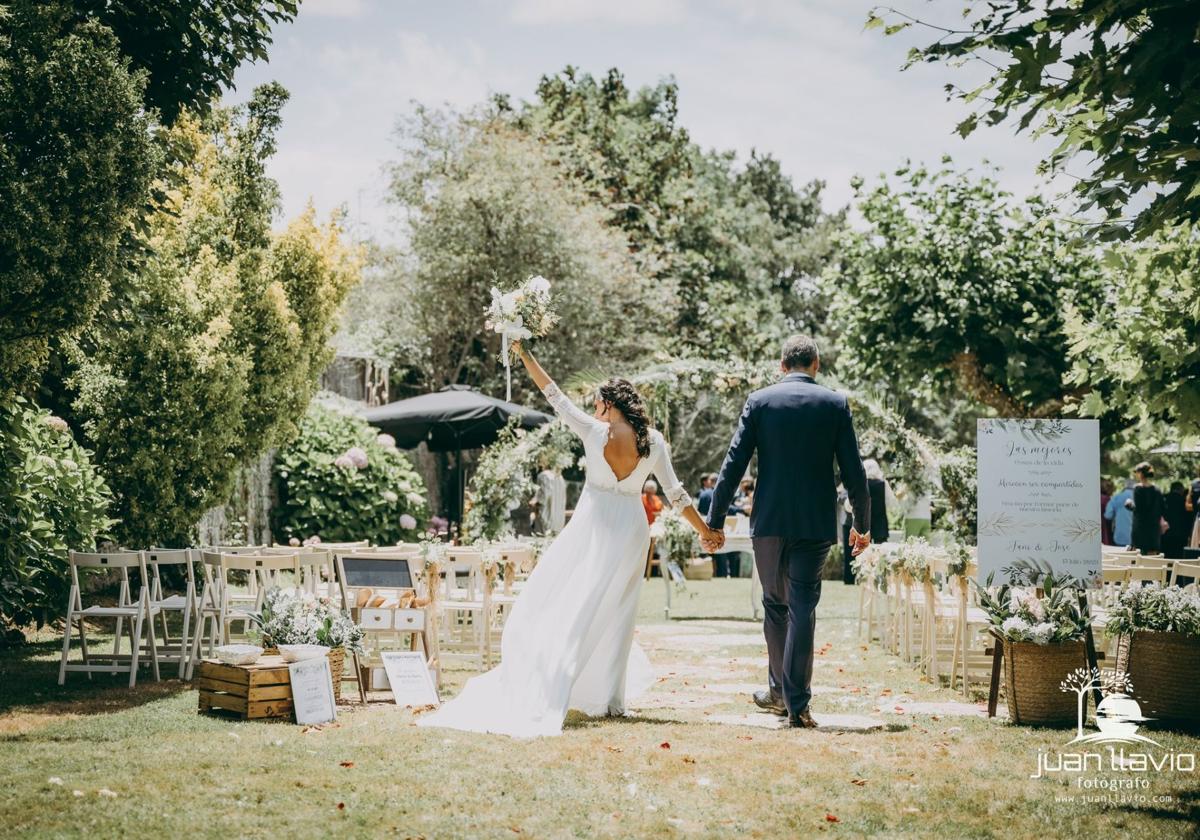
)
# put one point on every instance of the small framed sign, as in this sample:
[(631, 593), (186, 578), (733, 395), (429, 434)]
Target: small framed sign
[(409, 678), (312, 691)]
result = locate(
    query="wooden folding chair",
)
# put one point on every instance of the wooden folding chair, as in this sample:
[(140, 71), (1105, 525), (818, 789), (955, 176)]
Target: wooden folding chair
[(185, 604), (218, 605), (137, 611), (1183, 569)]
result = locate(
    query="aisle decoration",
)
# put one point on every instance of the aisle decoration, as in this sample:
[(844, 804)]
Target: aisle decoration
[(522, 313), (1158, 630), (301, 618), (1043, 638), (679, 544)]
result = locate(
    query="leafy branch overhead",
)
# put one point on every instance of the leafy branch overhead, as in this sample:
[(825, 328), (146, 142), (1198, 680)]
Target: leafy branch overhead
[(1115, 82)]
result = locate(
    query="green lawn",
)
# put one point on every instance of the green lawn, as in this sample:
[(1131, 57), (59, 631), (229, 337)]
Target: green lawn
[(668, 770)]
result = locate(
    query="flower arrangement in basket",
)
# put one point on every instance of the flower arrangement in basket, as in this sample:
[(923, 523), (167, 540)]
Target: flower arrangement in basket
[(1159, 645), (525, 312), (300, 618), (1042, 634)]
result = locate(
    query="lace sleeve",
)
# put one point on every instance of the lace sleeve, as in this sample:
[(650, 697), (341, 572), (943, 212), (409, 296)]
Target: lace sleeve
[(665, 471), (576, 418)]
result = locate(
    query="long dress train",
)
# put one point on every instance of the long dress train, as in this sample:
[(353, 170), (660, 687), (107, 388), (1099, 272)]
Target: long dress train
[(568, 642)]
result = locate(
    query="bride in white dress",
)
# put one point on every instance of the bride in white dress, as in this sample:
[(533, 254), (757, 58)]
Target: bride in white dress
[(568, 642)]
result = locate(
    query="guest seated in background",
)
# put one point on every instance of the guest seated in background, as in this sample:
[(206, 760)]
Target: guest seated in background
[(1147, 506), (1179, 522), (650, 500)]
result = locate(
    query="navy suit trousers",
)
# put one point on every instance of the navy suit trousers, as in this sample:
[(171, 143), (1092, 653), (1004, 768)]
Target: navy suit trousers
[(790, 572)]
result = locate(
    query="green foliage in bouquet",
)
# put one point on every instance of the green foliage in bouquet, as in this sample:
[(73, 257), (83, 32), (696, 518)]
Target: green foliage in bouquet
[(51, 500), (504, 475), (300, 618), (341, 480), (1019, 614), (1148, 606), (679, 541)]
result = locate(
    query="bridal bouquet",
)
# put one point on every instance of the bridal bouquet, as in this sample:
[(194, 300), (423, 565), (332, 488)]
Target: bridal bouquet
[(523, 313)]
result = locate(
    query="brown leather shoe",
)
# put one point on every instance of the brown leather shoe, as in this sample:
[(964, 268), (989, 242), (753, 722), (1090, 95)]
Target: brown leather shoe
[(771, 702), (802, 720)]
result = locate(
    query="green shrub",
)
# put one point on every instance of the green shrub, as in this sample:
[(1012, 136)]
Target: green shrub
[(322, 493), (51, 500), (960, 484)]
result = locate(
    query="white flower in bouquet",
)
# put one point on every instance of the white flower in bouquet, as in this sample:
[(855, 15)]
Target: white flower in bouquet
[(1015, 628), (1042, 633), (525, 312)]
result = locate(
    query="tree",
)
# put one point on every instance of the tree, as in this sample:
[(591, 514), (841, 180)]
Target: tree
[(741, 245), (954, 288), (1083, 680), (75, 162), (1117, 82), (1137, 354), (210, 352), (486, 208), (189, 51)]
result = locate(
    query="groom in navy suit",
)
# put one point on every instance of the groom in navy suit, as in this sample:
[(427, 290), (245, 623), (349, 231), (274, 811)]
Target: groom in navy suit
[(798, 428)]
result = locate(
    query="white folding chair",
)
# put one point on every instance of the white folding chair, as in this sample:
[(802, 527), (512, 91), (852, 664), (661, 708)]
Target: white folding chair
[(1183, 569), (137, 611), (462, 606), (185, 604), (218, 605)]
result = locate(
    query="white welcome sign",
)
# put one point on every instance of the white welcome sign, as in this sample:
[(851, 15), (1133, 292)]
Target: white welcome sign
[(1039, 499), (409, 678)]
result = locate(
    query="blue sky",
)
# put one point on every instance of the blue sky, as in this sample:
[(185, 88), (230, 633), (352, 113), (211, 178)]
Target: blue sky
[(799, 79)]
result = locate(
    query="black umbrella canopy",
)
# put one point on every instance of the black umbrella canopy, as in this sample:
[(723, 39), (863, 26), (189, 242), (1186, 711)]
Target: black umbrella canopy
[(456, 417)]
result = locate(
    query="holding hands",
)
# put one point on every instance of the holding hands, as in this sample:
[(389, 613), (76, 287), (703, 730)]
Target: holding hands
[(712, 539)]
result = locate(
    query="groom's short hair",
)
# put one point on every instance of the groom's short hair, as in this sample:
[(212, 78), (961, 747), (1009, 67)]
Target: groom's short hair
[(799, 351)]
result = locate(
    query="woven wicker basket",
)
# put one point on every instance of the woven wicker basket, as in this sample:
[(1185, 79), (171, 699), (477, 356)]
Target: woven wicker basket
[(337, 667), (1032, 676), (1165, 671)]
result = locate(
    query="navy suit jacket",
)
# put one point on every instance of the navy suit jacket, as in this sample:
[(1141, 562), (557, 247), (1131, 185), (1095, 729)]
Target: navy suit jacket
[(798, 428)]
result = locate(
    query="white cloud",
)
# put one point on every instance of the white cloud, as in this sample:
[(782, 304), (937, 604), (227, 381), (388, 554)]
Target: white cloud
[(614, 12), (333, 8)]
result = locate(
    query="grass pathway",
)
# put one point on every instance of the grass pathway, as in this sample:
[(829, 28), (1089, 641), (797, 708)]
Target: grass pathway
[(693, 759)]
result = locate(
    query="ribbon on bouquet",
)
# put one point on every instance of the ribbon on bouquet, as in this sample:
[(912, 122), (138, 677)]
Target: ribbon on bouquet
[(509, 332)]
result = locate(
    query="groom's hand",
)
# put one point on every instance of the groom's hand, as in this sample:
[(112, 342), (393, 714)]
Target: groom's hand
[(858, 542)]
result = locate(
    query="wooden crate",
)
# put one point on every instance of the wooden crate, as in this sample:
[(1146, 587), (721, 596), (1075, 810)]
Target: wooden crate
[(252, 692)]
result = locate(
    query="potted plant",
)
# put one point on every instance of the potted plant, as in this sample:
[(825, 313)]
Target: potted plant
[(1042, 632), (289, 617), (1158, 630), (680, 544)]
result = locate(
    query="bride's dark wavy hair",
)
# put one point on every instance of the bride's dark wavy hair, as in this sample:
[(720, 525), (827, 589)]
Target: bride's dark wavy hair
[(621, 395)]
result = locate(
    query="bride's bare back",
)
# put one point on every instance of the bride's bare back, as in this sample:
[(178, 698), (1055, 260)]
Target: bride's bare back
[(621, 451)]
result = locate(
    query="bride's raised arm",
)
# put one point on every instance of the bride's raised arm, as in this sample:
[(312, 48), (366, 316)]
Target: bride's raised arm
[(576, 418)]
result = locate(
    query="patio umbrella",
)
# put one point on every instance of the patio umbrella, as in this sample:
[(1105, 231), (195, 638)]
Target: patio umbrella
[(455, 418)]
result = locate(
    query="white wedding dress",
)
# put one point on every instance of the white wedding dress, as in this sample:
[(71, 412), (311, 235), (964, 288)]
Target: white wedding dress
[(568, 643)]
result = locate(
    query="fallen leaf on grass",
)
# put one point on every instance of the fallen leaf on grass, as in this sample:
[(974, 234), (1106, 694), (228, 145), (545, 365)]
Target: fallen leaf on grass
[(745, 738), (831, 818), (341, 806), (665, 745), (614, 749), (859, 782), (687, 759), (347, 764)]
